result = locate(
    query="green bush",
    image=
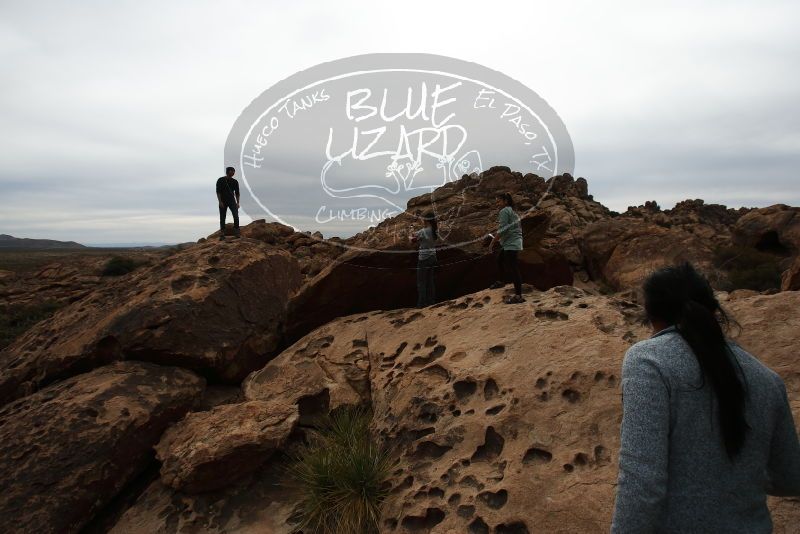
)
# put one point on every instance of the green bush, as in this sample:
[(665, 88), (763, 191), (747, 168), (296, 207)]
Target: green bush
[(117, 266), (15, 320), (342, 476), (748, 268)]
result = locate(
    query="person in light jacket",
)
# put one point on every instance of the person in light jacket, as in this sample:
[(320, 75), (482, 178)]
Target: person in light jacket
[(426, 260), (707, 432)]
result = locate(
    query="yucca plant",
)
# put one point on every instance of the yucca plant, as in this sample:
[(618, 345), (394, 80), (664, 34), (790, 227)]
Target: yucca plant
[(341, 474)]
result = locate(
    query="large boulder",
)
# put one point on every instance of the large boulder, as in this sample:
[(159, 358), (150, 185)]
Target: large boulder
[(217, 308), (467, 211), (496, 410), (623, 251), (772, 229), (363, 280), (210, 450), (67, 450)]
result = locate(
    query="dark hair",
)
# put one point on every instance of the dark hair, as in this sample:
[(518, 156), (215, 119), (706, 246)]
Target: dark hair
[(229, 169), (682, 297), (507, 198), (431, 218)]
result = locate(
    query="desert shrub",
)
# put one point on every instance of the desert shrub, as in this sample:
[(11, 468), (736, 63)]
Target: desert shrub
[(15, 320), (748, 268), (342, 475), (118, 265)]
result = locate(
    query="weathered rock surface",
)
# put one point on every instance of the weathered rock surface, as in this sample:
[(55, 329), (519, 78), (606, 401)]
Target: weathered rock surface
[(505, 417), (259, 504), (363, 280), (311, 251), (60, 282), (772, 229), (66, 450), (623, 251), (466, 211), (790, 281), (217, 308), (514, 425), (209, 450)]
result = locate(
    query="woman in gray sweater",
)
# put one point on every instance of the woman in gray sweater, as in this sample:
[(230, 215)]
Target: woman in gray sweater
[(707, 432)]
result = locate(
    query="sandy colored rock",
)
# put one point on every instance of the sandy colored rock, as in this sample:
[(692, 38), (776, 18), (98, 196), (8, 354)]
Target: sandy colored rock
[(484, 416), (209, 450), (506, 414), (217, 308), (790, 280), (66, 450), (623, 251), (315, 375)]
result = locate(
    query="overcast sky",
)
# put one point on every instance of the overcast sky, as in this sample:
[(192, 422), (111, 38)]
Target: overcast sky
[(114, 115)]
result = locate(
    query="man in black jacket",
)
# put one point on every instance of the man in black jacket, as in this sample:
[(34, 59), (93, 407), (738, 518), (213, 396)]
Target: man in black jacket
[(228, 197)]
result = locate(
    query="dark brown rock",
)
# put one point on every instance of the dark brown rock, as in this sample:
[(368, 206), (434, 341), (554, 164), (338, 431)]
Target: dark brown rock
[(66, 450), (773, 229), (366, 280), (217, 308), (260, 503)]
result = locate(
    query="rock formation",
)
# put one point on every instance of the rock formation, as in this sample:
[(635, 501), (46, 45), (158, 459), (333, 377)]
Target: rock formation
[(210, 450), (214, 308), (504, 418), (66, 450), (498, 429), (775, 228)]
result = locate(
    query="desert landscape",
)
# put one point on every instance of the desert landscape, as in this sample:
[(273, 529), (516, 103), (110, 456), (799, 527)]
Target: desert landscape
[(168, 390)]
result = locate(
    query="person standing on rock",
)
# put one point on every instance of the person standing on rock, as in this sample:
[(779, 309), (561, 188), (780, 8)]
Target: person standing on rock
[(228, 198), (707, 430), (426, 260), (509, 234)]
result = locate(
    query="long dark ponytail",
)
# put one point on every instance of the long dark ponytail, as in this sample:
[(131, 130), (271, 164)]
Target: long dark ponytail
[(682, 297)]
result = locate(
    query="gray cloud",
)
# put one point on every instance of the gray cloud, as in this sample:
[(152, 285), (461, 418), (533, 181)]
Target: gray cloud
[(113, 116)]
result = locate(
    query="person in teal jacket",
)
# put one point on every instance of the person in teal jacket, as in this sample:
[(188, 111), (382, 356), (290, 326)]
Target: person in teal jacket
[(510, 236)]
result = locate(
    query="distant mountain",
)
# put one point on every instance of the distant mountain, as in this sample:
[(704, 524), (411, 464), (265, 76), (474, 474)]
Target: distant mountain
[(8, 241), (135, 244)]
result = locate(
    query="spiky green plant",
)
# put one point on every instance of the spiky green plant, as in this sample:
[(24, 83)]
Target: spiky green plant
[(342, 474)]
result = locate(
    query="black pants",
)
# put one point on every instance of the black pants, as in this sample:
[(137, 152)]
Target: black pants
[(507, 261), (426, 289), (223, 211)]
